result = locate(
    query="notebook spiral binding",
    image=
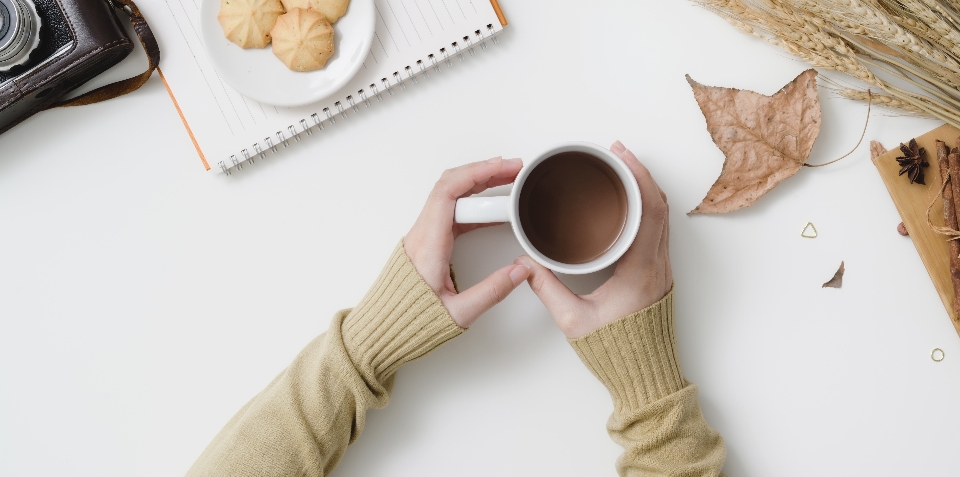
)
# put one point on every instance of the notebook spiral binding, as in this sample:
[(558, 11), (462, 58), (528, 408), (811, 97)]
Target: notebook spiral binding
[(399, 79)]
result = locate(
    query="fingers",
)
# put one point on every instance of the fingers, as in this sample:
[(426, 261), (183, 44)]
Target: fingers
[(476, 177), (649, 244), (506, 176), (559, 300), (650, 193), (467, 306), (664, 250), (466, 180), (618, 147)]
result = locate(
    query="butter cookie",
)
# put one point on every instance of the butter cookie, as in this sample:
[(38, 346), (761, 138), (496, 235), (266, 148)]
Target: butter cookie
[(303, 40), (248, 22), (332, 9)]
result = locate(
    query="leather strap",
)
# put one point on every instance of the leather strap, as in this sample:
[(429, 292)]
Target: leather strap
[(128, 85)]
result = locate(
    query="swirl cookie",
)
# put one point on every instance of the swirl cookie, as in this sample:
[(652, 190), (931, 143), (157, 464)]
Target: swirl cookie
[(332, 9), (291, 4), (303, 40), (248, 22)]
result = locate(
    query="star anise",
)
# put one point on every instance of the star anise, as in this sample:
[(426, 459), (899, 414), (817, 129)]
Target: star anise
[(913, 161)]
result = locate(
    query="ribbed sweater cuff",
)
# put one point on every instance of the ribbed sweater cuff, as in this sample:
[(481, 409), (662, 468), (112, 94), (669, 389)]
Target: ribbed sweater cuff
[(635, 357), (399, 320)]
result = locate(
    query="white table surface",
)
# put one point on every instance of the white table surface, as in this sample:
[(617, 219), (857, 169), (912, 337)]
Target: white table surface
[(143, 300)]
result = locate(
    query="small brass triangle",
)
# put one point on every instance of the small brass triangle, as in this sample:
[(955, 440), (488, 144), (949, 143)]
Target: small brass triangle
[(812, 231)]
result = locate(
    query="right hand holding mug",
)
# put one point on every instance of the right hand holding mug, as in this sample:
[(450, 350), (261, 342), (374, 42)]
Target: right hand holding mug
[(642, 276)]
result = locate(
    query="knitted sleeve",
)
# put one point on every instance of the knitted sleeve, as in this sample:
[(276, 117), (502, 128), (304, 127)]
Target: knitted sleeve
[(656, 415), (301, 424)]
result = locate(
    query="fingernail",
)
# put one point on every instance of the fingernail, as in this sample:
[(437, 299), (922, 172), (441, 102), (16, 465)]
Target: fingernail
[(494, 160), (618, 145), (519, 274), (515, 160), (523, 261)]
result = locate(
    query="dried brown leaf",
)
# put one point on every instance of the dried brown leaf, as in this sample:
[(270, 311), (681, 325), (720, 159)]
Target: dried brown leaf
[(837, 279), (765, 139)]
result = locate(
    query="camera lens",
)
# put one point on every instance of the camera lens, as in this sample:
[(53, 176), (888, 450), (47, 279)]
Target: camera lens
[(6, 20), (19, 32)]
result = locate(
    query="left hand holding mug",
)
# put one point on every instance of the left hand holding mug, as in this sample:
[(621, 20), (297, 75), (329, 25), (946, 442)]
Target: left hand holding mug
[(429, 244)]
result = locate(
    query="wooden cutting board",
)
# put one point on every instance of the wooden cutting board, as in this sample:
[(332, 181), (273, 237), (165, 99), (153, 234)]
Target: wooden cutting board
[(912, 201)]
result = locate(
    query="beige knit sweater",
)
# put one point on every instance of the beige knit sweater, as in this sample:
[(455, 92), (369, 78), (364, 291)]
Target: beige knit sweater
[(302, 423)]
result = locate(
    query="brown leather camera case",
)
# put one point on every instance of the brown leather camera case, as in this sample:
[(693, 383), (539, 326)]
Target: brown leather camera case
[(99, 42)]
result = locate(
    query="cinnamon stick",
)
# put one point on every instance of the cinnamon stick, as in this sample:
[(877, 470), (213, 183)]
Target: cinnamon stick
[(950, 216), (953, 161)]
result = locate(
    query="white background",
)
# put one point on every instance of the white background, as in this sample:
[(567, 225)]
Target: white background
[(143, 300)]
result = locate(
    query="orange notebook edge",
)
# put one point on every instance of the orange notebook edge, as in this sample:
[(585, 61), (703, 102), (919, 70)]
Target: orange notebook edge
[(184, 119), (496, 8)]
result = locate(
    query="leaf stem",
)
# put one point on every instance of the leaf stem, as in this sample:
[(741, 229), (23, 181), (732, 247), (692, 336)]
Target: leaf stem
[(864, 133)]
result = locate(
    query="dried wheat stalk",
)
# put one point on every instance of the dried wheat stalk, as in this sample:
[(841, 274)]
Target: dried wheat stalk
[(917, 42)]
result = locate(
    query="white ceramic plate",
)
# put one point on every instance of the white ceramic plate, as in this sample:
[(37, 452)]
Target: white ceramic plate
[(258, 74)]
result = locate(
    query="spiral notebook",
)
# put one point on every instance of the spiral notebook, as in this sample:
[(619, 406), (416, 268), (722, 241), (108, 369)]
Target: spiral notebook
[(413, 39)]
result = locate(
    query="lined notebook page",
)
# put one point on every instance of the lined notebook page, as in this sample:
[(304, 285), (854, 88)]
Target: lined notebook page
[(225, 124)]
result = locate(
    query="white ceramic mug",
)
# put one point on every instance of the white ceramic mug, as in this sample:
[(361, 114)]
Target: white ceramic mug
[(480, 210)]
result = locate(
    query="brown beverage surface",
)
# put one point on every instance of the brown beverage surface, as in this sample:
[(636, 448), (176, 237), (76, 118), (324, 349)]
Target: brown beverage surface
[(573, 207)]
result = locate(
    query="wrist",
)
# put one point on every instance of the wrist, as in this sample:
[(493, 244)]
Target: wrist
[(635, 357), (399, 320)]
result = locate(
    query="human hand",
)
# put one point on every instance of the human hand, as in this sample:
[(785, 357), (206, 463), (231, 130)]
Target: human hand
[(429, 243), (642, 276)]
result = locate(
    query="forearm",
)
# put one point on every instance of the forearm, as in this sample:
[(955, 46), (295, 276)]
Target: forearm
[(656, 415), (301, 424)]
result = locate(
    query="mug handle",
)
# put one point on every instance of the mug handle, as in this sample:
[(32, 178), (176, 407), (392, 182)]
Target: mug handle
[(482, 210)]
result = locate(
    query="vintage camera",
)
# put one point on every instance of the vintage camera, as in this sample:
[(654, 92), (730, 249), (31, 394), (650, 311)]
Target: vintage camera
[(50, 47)]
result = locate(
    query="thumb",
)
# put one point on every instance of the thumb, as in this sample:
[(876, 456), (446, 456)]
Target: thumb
[(559, 300), (469, 304)]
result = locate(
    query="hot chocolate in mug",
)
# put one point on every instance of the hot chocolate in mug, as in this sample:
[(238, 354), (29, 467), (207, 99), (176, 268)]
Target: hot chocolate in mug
[(575, 208)]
